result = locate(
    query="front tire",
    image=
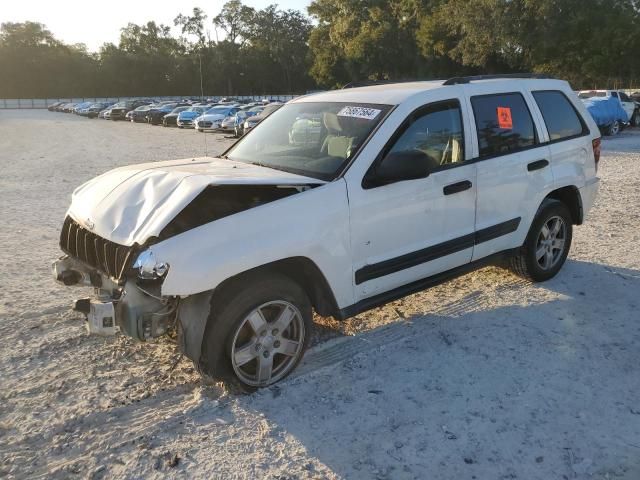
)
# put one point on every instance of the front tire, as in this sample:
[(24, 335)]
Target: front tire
[(547, 244), (257, 332)]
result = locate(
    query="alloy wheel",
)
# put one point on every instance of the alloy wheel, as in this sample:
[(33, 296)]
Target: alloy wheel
[(551, 243), (268, 343)]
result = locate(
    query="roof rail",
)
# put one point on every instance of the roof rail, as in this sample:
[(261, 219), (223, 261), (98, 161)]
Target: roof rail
[(463, 80), (367, 83)]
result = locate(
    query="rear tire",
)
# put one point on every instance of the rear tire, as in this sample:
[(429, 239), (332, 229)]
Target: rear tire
[(257, 331), (547, 244), (614, 128)]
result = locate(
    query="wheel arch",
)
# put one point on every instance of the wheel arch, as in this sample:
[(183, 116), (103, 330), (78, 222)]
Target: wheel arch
[(194, 310), (301, 270), (570, 196)]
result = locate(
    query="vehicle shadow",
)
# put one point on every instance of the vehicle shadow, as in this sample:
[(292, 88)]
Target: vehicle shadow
[(522, 390), (511, 381)]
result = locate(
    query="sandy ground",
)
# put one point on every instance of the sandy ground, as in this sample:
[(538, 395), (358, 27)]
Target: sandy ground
[(485, 377)]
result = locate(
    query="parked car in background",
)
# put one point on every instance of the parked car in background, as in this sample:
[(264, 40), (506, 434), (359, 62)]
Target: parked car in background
[(171, 119), (631, 107), (139, 115), (211, 120), (186, 117), (68, 108), (406, 187), (119, 110), (81, 106), (105, 114), (94, 110), (63, 106), (607, 112), (305, 131), (155, 115), (240, 117), (53, 106), (251, 122)]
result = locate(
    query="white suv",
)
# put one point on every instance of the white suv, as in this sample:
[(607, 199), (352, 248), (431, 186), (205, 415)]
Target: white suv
[(387, 190)]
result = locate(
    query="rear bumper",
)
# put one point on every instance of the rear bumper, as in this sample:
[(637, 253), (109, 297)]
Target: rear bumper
[(588, 195)]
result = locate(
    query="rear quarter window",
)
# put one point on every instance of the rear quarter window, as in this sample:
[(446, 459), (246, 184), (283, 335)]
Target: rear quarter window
[(559, 115), (503, 123)]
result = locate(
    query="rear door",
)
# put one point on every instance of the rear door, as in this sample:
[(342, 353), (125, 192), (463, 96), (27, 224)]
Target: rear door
[(567, 135), (513, 166)]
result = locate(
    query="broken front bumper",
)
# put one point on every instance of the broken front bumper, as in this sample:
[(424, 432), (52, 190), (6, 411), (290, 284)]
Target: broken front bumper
[(133, 307)]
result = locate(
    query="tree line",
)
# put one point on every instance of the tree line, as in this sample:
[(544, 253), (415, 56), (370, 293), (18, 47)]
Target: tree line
[(272, 51)]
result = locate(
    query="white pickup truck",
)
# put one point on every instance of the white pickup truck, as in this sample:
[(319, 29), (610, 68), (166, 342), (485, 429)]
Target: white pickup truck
[(628, 104), (395, 189)]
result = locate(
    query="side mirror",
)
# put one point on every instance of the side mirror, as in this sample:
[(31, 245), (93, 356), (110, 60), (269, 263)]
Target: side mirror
[(399, 166)]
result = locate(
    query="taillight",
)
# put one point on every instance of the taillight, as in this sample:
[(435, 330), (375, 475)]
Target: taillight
[(596, 150)]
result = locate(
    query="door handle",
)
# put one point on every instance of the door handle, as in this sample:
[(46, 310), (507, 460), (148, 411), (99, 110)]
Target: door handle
[(457, 187), (537, 165)]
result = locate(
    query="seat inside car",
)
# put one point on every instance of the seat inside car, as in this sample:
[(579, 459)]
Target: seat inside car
[(336, 143)]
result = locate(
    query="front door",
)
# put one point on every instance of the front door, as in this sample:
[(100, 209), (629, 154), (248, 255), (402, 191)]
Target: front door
[(408, 230)]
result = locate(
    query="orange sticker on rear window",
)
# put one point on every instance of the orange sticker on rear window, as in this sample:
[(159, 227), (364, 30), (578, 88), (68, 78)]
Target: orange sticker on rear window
[(504, 118)]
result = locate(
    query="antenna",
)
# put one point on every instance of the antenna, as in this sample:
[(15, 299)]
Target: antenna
[(206, 153)]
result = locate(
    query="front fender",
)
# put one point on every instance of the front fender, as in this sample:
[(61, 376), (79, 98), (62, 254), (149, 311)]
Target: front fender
[(312, 224)]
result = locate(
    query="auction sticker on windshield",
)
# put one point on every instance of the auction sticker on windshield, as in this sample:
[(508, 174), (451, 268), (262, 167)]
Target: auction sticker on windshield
[(359, 112)]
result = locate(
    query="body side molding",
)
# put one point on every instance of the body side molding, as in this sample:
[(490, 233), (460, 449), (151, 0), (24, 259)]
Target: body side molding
[(387, 267)]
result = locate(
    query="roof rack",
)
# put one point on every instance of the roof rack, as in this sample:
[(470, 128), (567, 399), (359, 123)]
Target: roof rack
[(463, 80), (367, 83)]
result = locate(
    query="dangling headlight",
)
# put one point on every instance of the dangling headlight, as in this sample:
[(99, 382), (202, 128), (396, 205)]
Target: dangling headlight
[(148, 267)]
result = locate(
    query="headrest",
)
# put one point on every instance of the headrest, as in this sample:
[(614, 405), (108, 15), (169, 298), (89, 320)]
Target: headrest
[(331, 122)]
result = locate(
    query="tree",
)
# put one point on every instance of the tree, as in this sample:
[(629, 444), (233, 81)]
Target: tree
[(374, 39), (193, 25), (278, 44)]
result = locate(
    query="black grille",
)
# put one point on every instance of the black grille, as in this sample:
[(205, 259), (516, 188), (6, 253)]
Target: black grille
[(111, 258)]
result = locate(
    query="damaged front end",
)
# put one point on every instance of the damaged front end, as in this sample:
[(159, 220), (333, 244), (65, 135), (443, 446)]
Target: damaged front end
[(116, 220), (126, 283)]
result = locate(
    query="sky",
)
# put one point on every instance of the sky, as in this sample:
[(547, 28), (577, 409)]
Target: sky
[(96, 22)]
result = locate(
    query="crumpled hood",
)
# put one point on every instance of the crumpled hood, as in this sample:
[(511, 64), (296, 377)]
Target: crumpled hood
[(130, 204)]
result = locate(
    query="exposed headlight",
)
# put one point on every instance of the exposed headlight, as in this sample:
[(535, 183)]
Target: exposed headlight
[(148, 267)]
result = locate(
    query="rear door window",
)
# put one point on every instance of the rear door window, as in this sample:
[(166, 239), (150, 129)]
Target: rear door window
[(561, 118), (503, 123)]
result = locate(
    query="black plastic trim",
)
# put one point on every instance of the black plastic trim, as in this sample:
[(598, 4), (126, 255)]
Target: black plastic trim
[(408, 260), (457, 187), (537, 165), (506, 76), (428, 282)]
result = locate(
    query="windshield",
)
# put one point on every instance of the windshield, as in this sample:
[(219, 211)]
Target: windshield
[(179, 109), (311, 139), (218, 111)]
